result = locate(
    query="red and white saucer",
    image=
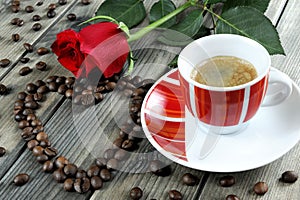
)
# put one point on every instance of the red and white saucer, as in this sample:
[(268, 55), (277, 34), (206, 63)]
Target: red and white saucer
[(171, 129)]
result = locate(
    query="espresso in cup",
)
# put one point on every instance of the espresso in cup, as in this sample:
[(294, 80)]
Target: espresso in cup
[(224, 71)]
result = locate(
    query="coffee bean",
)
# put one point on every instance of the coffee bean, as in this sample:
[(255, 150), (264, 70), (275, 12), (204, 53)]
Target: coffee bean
[(52, 6), (69, 93), (3, 89), (15, 37), (70, 170), (40, 83), (82, 185), (59, 175), (69, 185), (43, 89), (2, 151), (158, 168), (110, 86), (77, 99), (227, 181), (24, 71), (99, 89), (128, 92), (51, 79), (136, 80), (15, 9), (60, 162), (35, 123), (87, 99), (175, 195), (4, 62), (51, 14), (232, 197), (62, 2), (189, 179), (37, 150), (24, 60), (15, 2), (36, 18), (14, 21), (121, 85), (96, 182), (31, 144), (60, 80), (112, 164), (31, 117), (53, 87), (19, 117), (51, 152), (105, 174), (32, 105), (45, 143), (38, 96), (71, 17), (42, 158), (100, 162), (31, 88), (80, 174), (21, 95), (42, 51), (98, 97), (38, 129), (136, 193), (27, 135), (121, 155), (70, 81), (36, 26), (29, 9), (118, 143), (94, 170), (23, 124), (85, 2), (41, 136), (29, 97), (27, 111), (289, 177), (128, 145), (260, 188), (108, 154), (28, 47), (39, 3), (20, 22), (62, 89), (41, 65), (21, 179)]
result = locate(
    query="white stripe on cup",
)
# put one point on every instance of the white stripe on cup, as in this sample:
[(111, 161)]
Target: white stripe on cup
[(245, 104)]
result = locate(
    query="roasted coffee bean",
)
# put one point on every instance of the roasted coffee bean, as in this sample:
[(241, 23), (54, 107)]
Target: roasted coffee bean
[(60, 80), (51, 14), (42, 158), (38, 129), (41, 66), (3, 89), (42, 51), (85, 92), (38, 96), (232, 197), (4, 62), (85, 2), (175, 195), (60, 162), (36, 27), (121, 155), (36, 18), (112, 164), (70, 170), (82, 185), (2, 151), (105, 174), (98, 97), (70, 81), (51, 79), (37, 150), (69, 93), (227, 181), (20, 22), (51, 152), (19, 103), (94, 170), (71, 17), (128, 145), (40, 83), (19, 117), (28, 47), (39, 3), (80, 174), (121, 85), (78, 89), (87, 99), (31, 117), (31, 144), (62, 89), (32, 105), (24, 71), (52, 6), (136, 193), (69, 185), (15, 37), (41, 136), (24, 60), (15, 9), (29, 9), (158, 168), (36, 123), (27, 111), (27, 135), (14, 21), (29, 97), (31, 88), (23, 124), (110, 86), (45, 143), (260, 188), (128, 92), (118, 143), (43, 89), (21, 179), (77, 99), (59, 175), (289, 177), (100, 162), (62, 2), (136, 80), (15, 2), (189, 179), (21, 95), (147, 83), (108, 154), (53, 87), (99, 89), (96, 182)]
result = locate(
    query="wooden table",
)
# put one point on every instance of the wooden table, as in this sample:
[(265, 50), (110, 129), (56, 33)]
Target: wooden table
[(56, 113)]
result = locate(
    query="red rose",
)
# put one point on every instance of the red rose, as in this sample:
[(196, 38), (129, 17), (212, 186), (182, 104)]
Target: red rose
[(102, 45)]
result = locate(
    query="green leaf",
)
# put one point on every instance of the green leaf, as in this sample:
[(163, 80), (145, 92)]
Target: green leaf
[(215, 1), (249, 22), (130, 12), (160, 9), (260, 5)]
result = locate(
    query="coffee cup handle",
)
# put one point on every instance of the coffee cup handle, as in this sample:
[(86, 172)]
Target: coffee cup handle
[(279, 88)]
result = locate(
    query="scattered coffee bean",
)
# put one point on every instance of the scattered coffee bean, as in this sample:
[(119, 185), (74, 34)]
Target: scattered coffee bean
[(70, 82), (31, 144), (41, 66), (69, 93), (37, 150), (260, 188), (14, 21), (98, 97), (41, 136), (94, 170), (108, 154), (24, 71), (36, 18), (136, 193), (29, 9), (15, 2), (112, 164), (31, 88), (32, 105), (39, 3), (20, 22), (85, 2), (80, 174), (23, 124), (53, 87), (62, 2), (189, 179), (70, 170), (227, 181), (82, 185), (2, 151), (121, 155), (158, 168), (232, 197), (40, 83), (42, 158), (15, 9), (15, 37), (52, 6), (69, 185), (4, 62), (60, 162), (36, 26), (71, 17), (28, 47), (100, 162), (87, 99), (21, 179), (62, 89), (3, 89), (96, 182), (51, 14), (44, 143), (60, 80), (105, 174), (59, 175), (175, 195), (110, 86), (51, 152), (42, 51), (31, 117), (24, 60), (51, 79), (128, 145), (38, 96), (289, 177)]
